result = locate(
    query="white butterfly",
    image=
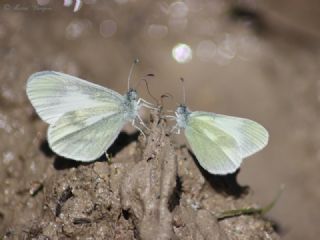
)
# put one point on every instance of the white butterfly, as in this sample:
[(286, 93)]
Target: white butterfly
[(218, 141), (84, 118)]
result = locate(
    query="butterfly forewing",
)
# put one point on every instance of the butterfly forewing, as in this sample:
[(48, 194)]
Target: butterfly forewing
[(53, 93), (216, 150)]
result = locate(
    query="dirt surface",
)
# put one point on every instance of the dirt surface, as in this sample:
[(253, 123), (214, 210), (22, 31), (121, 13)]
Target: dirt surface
[(258, 60), (148, 190)]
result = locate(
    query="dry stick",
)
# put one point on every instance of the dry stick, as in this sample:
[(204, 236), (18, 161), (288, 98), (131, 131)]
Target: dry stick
[(168, 168), (167, 185), (147, 187)]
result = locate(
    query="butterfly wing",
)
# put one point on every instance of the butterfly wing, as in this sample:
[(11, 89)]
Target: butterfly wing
[(216, 150), (84, 135), (250, 135), (220, 142), (53, 94), (84, 118)]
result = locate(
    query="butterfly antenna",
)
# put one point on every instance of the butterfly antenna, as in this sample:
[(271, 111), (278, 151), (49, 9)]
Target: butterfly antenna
[(143, 79), (148, 90), (147, 86), (166, 95), (131, 71), (183, 91)]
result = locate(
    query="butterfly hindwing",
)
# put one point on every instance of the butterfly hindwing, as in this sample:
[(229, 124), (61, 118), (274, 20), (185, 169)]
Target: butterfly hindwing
[(216, 150), (84, 135)]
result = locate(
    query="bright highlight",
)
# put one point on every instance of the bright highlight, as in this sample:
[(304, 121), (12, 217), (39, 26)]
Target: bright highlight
[(182, 53)]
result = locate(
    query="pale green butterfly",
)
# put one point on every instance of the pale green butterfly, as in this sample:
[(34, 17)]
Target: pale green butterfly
[(84, 118), (220, 142)]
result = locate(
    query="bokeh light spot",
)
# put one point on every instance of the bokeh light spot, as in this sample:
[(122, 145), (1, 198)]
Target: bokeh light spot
[(77, 28), (67, 3), (178, 9), (182, 53), (226, 50), (74, 30), (108, 28)]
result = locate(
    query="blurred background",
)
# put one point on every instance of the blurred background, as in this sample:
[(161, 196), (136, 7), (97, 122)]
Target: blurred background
[(256, 59)]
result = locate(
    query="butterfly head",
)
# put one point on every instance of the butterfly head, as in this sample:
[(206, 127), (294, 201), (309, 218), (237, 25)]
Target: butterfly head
[(132, 95), (182, 114)]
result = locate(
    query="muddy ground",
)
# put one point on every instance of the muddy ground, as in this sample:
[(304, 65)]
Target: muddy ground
[(258, 60), (149, 190)]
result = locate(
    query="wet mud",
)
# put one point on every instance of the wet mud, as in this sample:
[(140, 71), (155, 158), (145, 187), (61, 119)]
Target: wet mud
[(150, 189)]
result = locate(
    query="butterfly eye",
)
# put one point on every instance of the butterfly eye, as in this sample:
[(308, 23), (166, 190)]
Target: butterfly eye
[(182, 109), (132, 95)]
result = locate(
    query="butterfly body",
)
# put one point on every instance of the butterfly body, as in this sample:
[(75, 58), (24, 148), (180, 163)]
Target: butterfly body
[(182, 114), (131, 104), (218, 141)]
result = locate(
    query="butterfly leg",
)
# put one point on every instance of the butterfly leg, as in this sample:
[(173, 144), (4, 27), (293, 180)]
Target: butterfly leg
[(139, 129), (107, 156), (142, 123), (144, 101), (170, 117), (175, 130), (146, 104)]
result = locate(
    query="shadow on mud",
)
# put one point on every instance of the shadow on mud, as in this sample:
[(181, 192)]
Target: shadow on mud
[(222, 183), (61, 163)]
